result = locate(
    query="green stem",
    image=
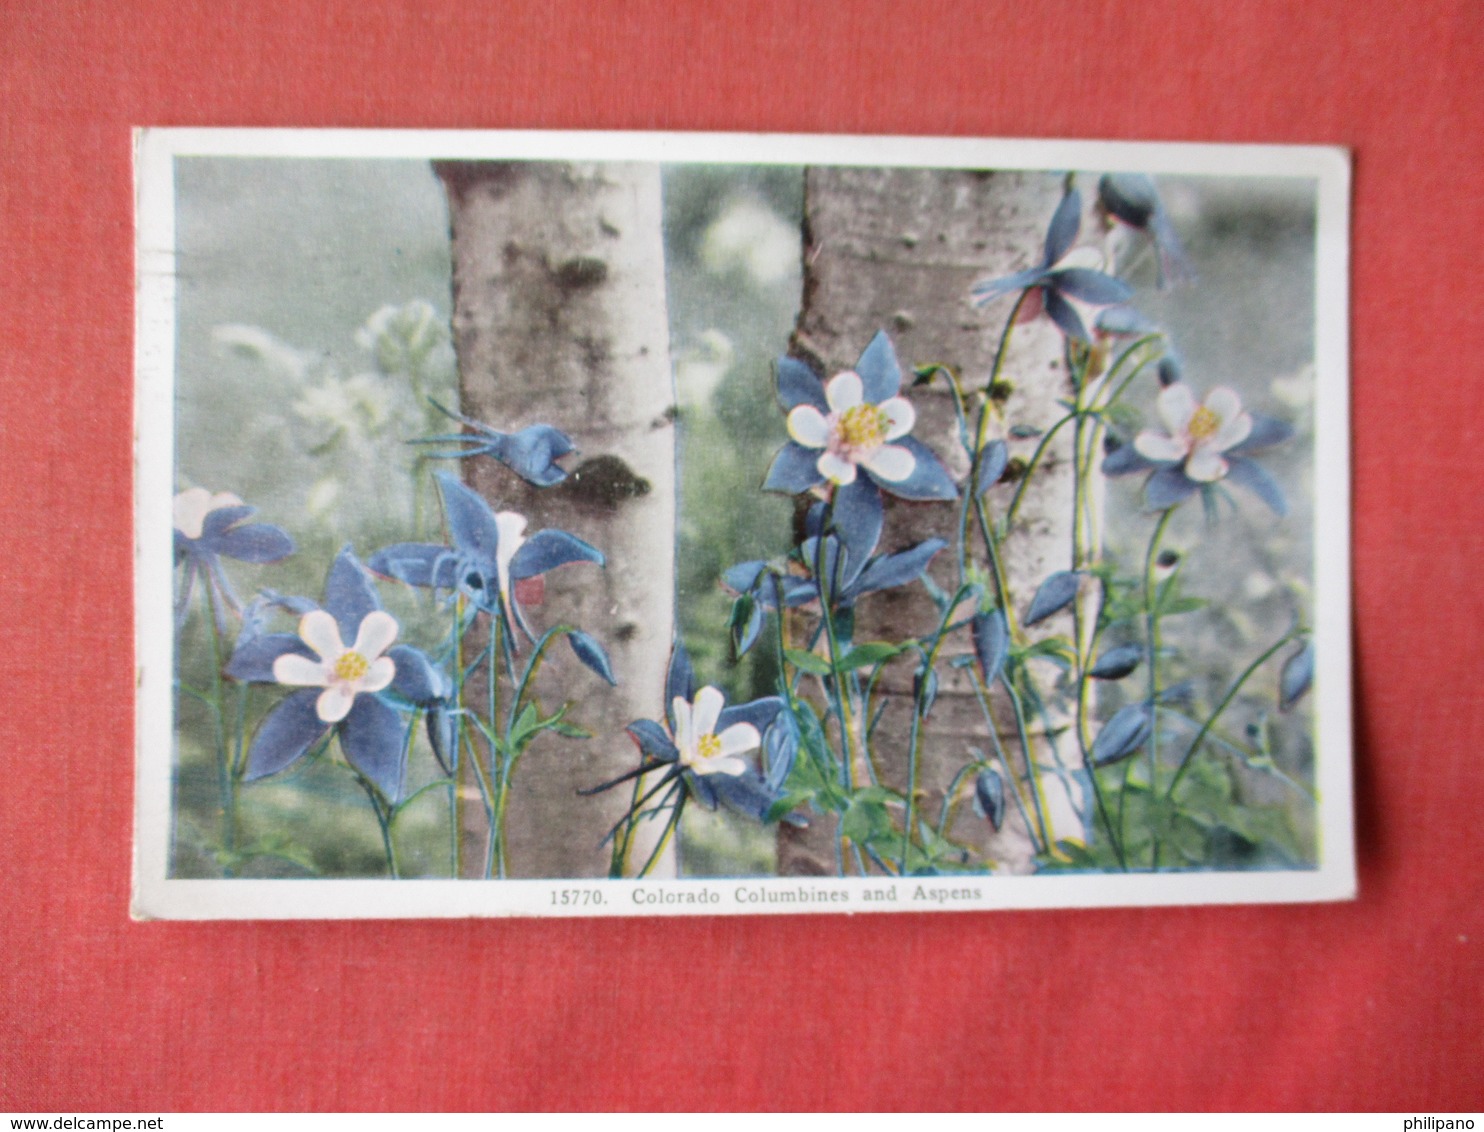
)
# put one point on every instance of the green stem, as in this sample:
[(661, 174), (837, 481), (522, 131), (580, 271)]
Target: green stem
[(1033, 776), (919, 704), (1025, 476), (1221, 707), (981, 692), (223, 769), (1151, 619)]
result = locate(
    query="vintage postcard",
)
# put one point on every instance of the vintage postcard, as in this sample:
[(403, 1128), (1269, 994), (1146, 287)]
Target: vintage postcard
[(616, 524)]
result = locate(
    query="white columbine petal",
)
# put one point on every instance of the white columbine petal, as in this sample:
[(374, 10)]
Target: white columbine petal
[(510, 528), (382, 672), (318, 630), (1205, 464), (684, 737), (378, 630), (1232, 432), (891, 462), (1224, 403), (900, 417), (709, 702), (300, 671), (807, 426), (190, 508), (343, 672), (739, 738), (1159, 447), (1176, 405), (845, 391), (334, 703), (836, 469)]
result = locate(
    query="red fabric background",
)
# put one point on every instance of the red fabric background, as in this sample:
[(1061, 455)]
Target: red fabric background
[(1370, 1004)]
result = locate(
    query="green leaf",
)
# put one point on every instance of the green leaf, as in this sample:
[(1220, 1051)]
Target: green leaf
[(869, 655), (808, 662), (865, 820)]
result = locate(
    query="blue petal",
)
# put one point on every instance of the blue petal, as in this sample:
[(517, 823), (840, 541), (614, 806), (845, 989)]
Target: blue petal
[(680, 680), (1054, 595), (1168, 487), (256, 542), (991, 643), (418, 564), (781, 748), (418, 680), (1125, 460), (546, 550), (1121, 736), (880, 373), (989, 796), (470, 521), (925, 689), (652, 740), (1091, 286), (992, 463), (1124, 322), (1254, 478), (1171, 370), (532, 453), (799, 385), (745, 635), (1174, 265), (987, 290), (442, 727), (298, 606), (218, 522), (1117, 662), (1266, 432), (1298, 674), (591, 654), (794, 469), (349, 595), (743, 578), (747, 793), (760, 713), (374, 740), (252, 659), (1064, 226), (1061, 312), (929, 478), (858, 517), (1131, 197), (700, 788), (289, 730), (898, 569)]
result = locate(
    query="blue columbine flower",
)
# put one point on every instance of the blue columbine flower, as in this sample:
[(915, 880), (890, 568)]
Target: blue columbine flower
[(1133, 199), (851, 568), (209, 526), (852, 429), (491, 561), (532, 453), (338, 682), (1202, 445), (1053, 282), (701, 750)]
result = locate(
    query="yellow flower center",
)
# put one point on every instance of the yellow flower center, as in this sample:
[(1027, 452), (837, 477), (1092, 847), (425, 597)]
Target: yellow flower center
[(863, 426), (1204, 424), (708, 746), (351, 666)]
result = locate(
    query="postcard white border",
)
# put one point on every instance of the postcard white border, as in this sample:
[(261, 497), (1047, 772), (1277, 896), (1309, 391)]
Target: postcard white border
[(156, 895)]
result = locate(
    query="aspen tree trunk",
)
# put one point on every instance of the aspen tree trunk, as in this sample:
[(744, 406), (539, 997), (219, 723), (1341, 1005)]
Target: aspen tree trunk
[(560, 318), (898, 249)]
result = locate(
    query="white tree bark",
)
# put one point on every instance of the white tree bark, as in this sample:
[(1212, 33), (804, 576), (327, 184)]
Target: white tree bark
[(560, 318), (899, 249)]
